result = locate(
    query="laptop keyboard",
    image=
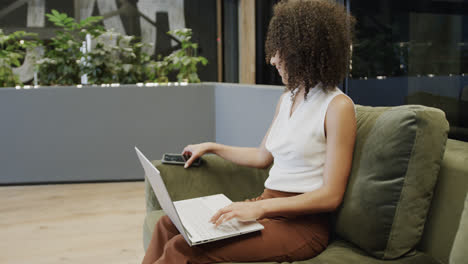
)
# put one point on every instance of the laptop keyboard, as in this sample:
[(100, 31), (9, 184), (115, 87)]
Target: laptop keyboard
[(196, 216)]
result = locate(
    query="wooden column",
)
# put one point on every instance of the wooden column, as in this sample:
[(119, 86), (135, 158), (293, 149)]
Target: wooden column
[(247, 41)]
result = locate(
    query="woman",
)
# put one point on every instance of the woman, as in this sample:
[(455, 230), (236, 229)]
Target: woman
[(311, 141)]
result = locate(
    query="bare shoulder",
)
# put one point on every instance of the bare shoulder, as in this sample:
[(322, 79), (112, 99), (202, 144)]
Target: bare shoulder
[(340, 115), (341, 106)]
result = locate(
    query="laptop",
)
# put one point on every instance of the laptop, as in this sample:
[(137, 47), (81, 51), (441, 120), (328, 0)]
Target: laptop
[(191, 217)]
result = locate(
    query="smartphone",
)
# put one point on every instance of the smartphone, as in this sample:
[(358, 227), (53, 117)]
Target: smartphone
[(178, 159)]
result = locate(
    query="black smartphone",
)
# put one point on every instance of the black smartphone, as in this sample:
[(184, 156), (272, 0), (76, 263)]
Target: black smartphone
[(178, 159)]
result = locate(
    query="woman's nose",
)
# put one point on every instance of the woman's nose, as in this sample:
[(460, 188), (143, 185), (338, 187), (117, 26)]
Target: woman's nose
[(273, 61)]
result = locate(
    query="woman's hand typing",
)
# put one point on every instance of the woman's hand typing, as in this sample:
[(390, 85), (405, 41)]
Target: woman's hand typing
[(243, 211)]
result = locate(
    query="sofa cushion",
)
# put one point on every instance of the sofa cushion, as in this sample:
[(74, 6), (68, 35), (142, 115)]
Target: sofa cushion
[(396, 161), (459, 255)]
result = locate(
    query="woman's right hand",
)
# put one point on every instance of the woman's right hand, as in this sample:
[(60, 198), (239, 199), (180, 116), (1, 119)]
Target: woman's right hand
[(195, 151)]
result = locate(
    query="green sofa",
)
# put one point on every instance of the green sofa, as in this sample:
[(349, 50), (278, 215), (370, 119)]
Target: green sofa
[(404, 198)]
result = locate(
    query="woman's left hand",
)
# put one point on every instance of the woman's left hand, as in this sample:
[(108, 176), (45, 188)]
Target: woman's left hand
[(243, 211)]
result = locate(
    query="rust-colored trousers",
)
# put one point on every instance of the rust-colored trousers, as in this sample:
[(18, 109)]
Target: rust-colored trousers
[(283, 239)]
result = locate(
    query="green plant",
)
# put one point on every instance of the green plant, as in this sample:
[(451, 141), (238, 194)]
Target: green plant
[(134, 61), (185, 59), (115, 58), (12, 51), (62, 53), (157, 71)]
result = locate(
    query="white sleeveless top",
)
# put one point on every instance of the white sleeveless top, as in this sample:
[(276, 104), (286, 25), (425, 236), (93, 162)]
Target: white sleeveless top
[(298, 144)]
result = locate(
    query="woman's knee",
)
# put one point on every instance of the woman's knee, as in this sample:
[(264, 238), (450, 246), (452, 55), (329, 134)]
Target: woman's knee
[(164, 222)]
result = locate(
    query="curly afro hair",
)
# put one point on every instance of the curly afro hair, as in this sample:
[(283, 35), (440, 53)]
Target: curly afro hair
[(313, 39)]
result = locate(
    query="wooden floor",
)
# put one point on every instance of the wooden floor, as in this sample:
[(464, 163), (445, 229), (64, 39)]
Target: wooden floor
[(72, 223)]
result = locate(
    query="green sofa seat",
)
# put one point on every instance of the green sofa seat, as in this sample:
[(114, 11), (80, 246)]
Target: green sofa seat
[(238, 183)]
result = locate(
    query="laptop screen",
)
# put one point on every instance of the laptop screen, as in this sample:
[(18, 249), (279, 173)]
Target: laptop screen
[(162, 195)]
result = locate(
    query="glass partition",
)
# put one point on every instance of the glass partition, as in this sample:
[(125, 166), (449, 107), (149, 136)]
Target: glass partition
[(412, 52)]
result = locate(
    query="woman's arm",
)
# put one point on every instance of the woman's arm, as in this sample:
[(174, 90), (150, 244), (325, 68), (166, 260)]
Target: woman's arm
[(340, 128), (252, 157)]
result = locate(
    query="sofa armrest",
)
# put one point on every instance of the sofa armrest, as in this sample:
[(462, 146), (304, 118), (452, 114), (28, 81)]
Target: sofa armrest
[(447, 203), (214, 176)]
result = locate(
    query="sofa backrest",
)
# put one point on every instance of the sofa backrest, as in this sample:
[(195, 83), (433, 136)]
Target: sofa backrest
[(396, 161)]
